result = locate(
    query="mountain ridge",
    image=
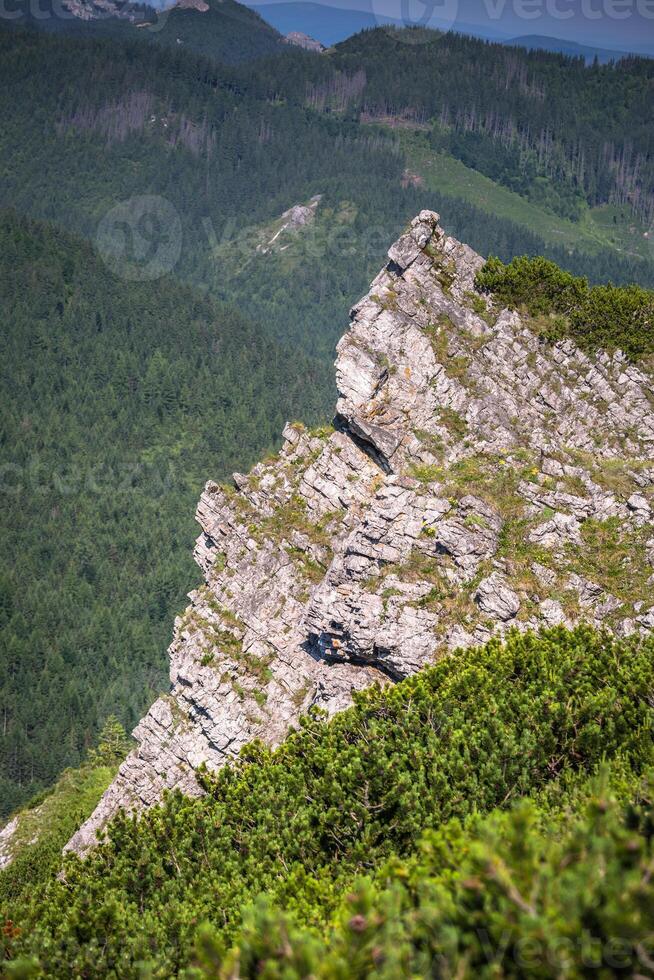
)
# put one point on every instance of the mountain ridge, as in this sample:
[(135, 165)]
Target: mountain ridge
[(573, 49), (332, 24), (459, 495)]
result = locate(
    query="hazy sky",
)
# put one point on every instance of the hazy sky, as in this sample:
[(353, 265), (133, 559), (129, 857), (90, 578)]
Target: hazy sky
[(626, 24)]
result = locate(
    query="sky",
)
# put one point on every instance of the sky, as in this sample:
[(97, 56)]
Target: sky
[(626, 25)]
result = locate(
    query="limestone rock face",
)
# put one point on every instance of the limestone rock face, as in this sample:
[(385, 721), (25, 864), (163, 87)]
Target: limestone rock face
[(475, 480), (301, 40), (7, 836)]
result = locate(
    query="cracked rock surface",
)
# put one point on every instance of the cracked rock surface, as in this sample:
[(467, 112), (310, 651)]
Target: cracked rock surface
[(475, 480)]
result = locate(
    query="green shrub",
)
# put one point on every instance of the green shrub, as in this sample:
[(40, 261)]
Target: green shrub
[(594, 317), (52, 817), (337, 800), (514, 894)]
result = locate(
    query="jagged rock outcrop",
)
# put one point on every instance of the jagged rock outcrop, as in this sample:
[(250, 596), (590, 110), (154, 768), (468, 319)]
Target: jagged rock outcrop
[(475, 480), (301, 40), (7, 838), (291, 221)]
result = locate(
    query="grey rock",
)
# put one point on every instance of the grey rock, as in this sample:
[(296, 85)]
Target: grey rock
[(545, 576), (556, 532), (552, 613), (496, 599), (589, 592), (640, 508), (626, 628), (647, 621), (301, 40), (7, 835)]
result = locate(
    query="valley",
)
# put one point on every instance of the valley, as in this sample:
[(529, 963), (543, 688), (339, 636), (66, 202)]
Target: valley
[(603, 228)]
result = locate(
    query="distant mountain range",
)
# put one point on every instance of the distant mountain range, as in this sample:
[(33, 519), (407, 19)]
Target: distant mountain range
[(328, 24), (332, 24), (543, 43), (232, 32)]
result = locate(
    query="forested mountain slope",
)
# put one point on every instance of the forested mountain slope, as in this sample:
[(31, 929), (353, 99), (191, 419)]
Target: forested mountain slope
[(556, 130), (230, 148), (560, 132), (103, 124), (115, 399), (223, 30)]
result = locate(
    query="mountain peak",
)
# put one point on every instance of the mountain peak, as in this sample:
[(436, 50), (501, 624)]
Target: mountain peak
[(423, 341), (458, 495)]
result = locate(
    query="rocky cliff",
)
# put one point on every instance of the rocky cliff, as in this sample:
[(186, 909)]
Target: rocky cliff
[(475, 480), (301, 40)]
